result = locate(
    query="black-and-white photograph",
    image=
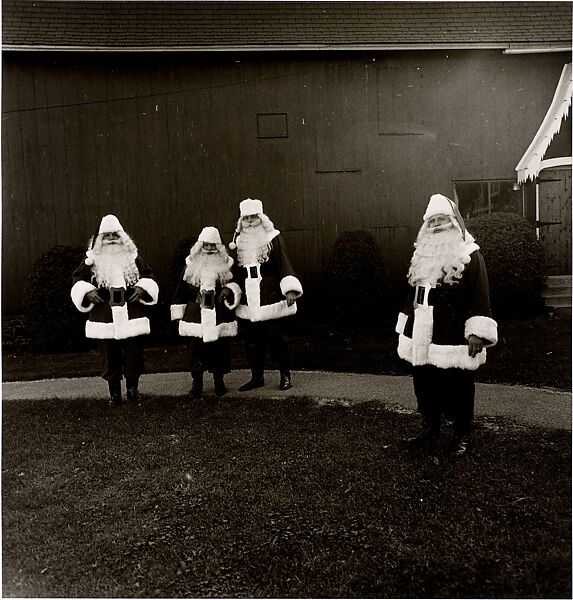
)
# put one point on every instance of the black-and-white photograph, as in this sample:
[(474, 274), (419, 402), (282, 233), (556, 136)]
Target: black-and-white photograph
[(286, 299)]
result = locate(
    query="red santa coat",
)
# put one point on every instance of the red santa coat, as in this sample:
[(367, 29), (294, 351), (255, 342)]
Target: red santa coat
[(435, 323), (264, 286), (206, 322), (112, 319)]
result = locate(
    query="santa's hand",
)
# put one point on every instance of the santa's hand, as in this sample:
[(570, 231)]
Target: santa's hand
[(137, 295), (225, 294), (94, 297), (290, 298), (475, 345)]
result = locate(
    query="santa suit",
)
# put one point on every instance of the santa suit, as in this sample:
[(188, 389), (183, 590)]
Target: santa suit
[(434, 327), (117, 323), (208, 326), (263, 306)]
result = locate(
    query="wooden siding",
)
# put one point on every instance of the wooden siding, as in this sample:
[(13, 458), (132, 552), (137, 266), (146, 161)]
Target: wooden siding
[(171, 143), (555, 219)]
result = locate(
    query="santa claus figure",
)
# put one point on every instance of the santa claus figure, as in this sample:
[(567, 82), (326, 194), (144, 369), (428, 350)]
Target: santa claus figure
[(446, 323), (115, 286), (269, 292), (204, 304)]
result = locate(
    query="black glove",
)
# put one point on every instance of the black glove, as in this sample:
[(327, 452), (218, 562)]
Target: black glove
[(94, 297)]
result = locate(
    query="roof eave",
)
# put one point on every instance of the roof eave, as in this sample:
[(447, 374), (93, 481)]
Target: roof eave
[(506, 48)]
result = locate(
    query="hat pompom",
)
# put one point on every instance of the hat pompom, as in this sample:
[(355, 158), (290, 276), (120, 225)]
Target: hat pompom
[(232, 246), (89, 261)]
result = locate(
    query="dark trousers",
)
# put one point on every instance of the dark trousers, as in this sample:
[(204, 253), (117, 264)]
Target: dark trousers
[(448, 392), (262, 335), (122, 358), (214, 357)]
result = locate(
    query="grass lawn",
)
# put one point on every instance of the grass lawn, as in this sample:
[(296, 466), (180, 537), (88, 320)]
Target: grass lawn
[(261, 498)]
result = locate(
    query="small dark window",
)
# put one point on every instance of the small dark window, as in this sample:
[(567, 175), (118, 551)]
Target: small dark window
[(272, 125), (476, 198)]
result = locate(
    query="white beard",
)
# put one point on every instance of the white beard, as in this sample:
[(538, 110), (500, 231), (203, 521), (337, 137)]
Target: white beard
[(205, 270), (439, 257), (254, 245), (114, 266)]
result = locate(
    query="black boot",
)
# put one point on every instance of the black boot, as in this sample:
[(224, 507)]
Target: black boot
[(114, 392), (256, 381), (133, 394), (197, 388), (460, 439), (427, 437), (460, 445), (220, 388), (285, 382)]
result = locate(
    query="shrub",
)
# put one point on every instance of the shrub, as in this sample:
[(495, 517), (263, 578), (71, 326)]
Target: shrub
[(355, 282), (177, 264), (514, 261), (51, 320)]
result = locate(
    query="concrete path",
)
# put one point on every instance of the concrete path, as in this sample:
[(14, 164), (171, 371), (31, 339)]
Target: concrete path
[(527, 406)]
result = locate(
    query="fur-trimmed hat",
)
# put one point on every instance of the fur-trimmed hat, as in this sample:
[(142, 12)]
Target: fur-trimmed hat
[(210, 235), (250, 207), (442, 205), (108, 224)]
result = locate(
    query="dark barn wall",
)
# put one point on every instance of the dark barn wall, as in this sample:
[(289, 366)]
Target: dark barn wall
[(172, 142)]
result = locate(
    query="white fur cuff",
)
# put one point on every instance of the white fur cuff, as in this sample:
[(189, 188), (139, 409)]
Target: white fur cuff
[(177, 311), (235, 288), (78, 292), (151, 287), (291, 284), (401, 323), (483, 327)]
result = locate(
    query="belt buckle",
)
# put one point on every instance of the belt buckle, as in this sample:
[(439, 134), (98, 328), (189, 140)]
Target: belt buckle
[(207, 298), (422, 294), (252, 271), (116, 296)]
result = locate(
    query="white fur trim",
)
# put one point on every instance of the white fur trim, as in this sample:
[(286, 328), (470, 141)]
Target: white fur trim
[(438, 205), (483, 327), (444, 357), (422, 334), (250, 206), (188, 329), (177, 311), (78, 292), (236, 289), (291, 284), (121, 328), (253, 311), (109, 224), (267, 312), (401, 322), (151, 287), (210, 235)]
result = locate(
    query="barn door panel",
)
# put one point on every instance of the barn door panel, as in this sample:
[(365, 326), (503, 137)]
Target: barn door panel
[(555, 219)]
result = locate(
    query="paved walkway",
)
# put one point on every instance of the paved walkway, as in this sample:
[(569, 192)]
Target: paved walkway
[(527, 406)]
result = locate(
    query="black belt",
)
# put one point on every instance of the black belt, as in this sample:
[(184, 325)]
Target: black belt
[(253, 271)]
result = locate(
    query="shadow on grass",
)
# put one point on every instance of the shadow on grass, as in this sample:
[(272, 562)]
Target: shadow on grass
[(259, 498)]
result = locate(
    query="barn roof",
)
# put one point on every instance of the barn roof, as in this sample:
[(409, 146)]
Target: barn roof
[(184, 25)]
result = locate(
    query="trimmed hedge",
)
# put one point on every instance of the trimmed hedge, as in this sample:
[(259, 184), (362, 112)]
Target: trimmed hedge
[(177, 263), (51, 321), (357, 288), (515, 263)]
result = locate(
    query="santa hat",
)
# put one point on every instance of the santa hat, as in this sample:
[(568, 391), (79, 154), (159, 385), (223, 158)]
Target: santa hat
[(250, 207), (441, 205), (108, 224), (210, 235), (247, 207)]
